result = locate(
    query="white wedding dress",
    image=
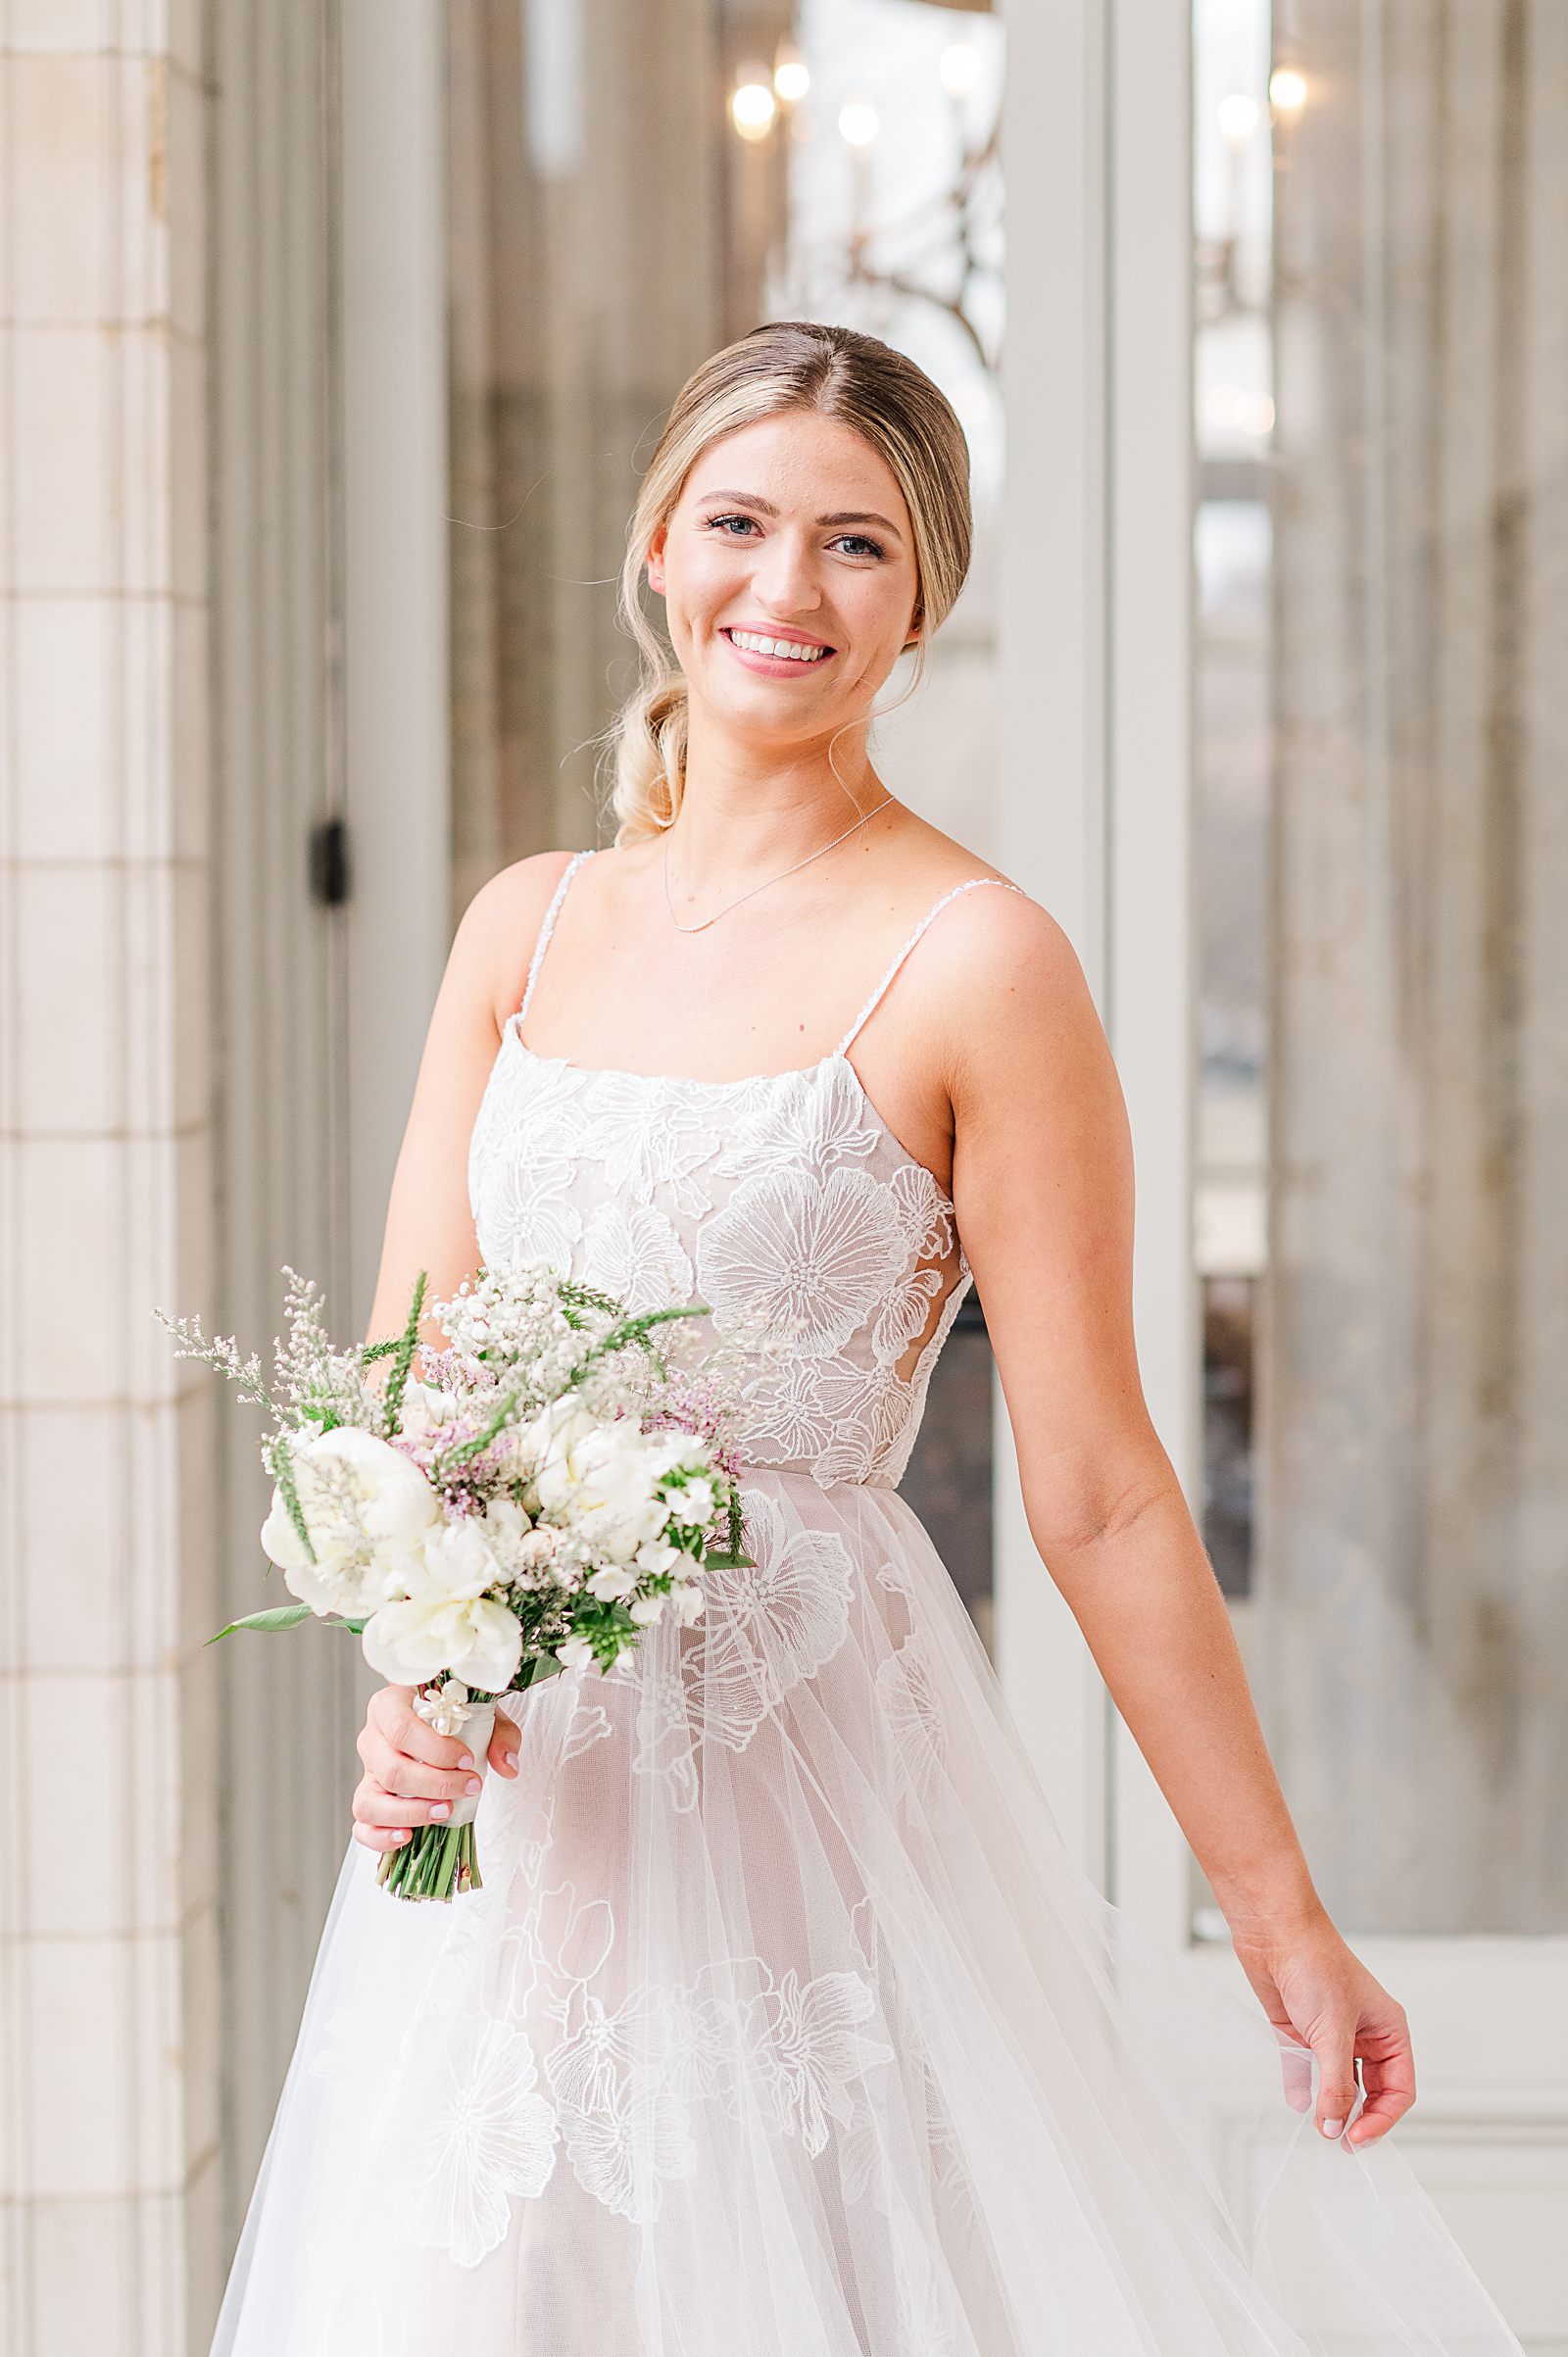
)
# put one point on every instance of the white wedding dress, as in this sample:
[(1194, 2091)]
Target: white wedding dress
[(784, 2025)]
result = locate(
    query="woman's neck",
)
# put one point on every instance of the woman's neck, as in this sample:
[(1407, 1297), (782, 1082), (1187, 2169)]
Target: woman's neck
[(745, 814)]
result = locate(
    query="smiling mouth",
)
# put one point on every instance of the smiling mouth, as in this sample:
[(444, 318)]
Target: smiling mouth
[(800, 653)]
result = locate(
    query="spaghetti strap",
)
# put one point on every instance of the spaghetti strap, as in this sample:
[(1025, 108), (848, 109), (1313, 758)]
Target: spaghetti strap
[(933, 911), (549, 925)]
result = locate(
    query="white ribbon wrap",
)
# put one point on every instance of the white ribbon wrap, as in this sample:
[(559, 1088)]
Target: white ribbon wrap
[(450, 1712)]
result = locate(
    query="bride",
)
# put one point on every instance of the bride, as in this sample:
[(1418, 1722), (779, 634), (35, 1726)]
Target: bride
[(785, 2025)]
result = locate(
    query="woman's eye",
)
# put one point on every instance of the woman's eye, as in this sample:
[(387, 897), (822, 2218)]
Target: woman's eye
[(863, 545), (717, 524)]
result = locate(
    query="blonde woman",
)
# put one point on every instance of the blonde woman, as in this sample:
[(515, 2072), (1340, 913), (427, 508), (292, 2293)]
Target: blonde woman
[(784, 2025)]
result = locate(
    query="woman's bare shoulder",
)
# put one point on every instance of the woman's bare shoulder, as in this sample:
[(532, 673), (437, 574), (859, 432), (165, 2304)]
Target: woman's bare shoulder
[(991, 944), (501, 924)]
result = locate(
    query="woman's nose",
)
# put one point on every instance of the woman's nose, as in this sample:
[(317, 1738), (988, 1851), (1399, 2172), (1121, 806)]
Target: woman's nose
[(785, 576)]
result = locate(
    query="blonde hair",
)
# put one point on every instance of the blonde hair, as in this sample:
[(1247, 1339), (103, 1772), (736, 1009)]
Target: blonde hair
[(785, 365)]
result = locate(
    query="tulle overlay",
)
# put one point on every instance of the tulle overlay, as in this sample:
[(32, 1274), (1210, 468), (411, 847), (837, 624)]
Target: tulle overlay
[(785, 2025)]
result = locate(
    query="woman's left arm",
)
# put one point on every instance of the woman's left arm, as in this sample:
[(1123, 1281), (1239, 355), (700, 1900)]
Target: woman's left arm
[(1043, 1186)]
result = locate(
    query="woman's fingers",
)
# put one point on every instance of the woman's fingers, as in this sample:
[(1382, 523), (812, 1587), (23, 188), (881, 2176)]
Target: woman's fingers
[(504, 1746), (394, 1718), (381, 1837), (411, 1780), (1388, 2073), (379, 1822), (1337, 2089)]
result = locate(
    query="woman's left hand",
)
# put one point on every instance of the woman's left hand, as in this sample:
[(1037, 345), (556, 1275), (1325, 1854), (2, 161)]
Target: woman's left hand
[(1311, 1985)]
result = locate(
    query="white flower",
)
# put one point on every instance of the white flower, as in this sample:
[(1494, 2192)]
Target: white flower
[(675, 1449), (427, 1407), (646, 1609), (695, 1503), (688, 1600), (657, 1554), (574, 1654), (541, 1547), (599, 1478), (447, 1622), (609, 1585), (367, 1509)]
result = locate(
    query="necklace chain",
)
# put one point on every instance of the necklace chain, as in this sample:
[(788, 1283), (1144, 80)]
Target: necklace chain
[(762, 887)]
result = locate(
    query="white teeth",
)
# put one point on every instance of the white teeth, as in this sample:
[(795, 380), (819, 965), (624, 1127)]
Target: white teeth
[(777, 646)]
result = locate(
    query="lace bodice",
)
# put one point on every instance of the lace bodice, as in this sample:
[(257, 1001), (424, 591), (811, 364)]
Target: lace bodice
[(780, 1198)]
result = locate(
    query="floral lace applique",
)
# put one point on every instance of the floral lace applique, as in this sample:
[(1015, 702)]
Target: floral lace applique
[(649, 1140), (633, 1251), (782, 1198), (471, 2131), (808, 1119), (528, 1206), (908, 1699), (766, 1626), (813, 1255)]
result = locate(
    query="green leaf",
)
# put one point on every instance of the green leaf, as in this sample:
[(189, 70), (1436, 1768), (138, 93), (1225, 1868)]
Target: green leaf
[(541, 1665), (403, 1357), (281, 1467), (282, 1616)]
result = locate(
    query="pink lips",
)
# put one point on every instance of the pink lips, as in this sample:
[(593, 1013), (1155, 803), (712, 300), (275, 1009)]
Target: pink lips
[(777, 666)]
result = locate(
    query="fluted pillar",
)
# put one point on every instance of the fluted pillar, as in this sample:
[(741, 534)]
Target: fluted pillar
[(108, 1930)]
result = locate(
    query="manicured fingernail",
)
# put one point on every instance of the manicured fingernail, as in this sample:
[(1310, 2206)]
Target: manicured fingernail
[(466, 1760), (1332, 2128), (475, 1784), (510, 1762), (442, 1808)]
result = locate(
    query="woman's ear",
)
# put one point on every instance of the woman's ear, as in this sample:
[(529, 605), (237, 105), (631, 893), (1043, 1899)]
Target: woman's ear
[(656, 562)]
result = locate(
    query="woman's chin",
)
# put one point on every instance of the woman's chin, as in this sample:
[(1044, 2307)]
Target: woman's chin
[(770, 711)]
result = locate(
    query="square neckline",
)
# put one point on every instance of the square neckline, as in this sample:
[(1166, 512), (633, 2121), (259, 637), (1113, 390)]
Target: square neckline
[(835, 1056), (747, 1080)]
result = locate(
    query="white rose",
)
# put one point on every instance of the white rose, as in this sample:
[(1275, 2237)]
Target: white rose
[(366, 1509), (446, 1621)]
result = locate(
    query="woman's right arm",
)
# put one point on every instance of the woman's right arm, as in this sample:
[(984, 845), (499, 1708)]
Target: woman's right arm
[(412, 1774)]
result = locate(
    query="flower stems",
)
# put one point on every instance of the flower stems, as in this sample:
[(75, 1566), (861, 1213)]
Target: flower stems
[(436, 1861)]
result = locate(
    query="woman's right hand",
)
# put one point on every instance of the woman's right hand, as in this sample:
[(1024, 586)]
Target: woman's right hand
[(413, 1775)]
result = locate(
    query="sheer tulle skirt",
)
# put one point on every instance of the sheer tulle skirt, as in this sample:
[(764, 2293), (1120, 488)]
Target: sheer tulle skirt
[(784, 2026)]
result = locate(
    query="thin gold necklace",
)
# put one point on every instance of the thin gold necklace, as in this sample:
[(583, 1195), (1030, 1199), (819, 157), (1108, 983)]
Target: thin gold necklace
[(762, 887)]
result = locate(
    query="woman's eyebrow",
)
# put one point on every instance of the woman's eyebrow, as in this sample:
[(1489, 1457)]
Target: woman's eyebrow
[(765, 506)]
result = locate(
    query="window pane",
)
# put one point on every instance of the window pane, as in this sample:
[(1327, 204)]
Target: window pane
[(1407, 1627)]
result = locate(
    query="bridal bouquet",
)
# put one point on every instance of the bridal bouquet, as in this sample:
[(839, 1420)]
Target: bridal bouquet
[(527, 1500)]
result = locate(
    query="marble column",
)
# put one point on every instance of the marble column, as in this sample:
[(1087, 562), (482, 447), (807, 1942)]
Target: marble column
[(109, 2125)]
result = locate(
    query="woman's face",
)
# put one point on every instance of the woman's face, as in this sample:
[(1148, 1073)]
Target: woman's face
[(791, 531)]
